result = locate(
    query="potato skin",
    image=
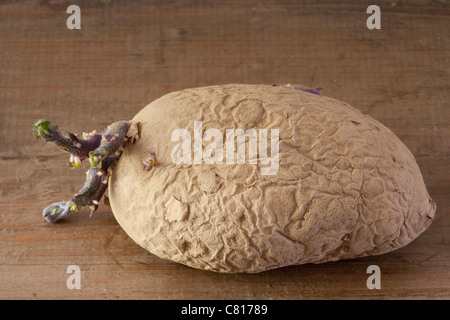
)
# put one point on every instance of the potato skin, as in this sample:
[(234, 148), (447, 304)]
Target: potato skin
[(346, 186)]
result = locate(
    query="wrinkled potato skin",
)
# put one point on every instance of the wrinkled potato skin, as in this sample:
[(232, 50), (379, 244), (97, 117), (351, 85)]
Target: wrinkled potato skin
[(346, 186)]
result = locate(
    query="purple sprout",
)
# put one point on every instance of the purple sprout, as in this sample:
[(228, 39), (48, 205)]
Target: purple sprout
[(103, 150), (317, 91), (149, 161)]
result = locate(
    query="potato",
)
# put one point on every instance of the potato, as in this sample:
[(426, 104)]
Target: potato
[(319, 181)]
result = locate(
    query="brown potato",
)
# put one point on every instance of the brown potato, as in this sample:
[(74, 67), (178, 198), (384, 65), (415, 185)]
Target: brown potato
[(344, 186)]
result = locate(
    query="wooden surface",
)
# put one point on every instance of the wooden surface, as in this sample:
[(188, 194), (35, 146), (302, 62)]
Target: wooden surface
[(129, 53)]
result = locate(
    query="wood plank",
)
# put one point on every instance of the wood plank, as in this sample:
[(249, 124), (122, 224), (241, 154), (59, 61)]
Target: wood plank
[(130, 53)]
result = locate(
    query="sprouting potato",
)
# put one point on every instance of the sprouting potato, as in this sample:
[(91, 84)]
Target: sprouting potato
[(247, 178)]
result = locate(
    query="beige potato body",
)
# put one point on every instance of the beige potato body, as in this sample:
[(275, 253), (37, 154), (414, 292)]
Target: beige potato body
[(346, 186)]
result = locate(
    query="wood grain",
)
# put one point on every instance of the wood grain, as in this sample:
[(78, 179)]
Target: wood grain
[(129, 53)]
